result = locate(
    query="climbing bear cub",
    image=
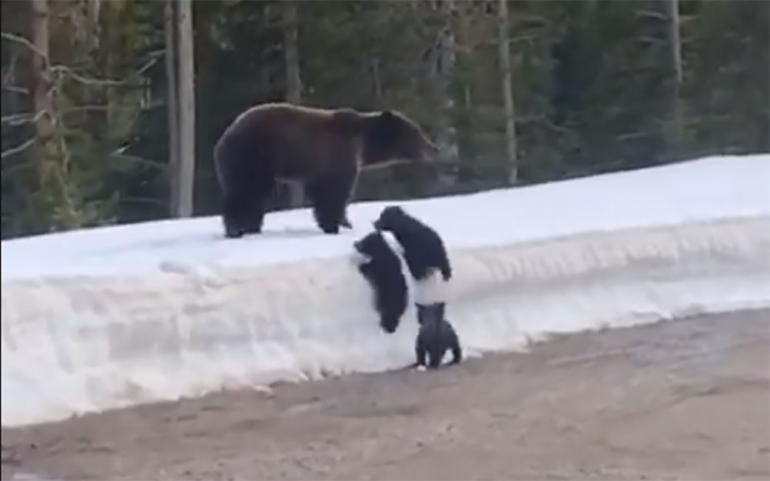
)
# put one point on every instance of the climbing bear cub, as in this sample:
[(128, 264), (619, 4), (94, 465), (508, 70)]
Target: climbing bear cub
[(383, 272), (324, 149), (425, 256), (423, 248)]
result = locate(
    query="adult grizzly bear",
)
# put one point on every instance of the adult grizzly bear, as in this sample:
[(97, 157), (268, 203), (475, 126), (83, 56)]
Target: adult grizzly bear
[(324, 149)]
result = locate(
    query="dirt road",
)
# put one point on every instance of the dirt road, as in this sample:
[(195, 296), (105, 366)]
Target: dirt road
[(688, 399)]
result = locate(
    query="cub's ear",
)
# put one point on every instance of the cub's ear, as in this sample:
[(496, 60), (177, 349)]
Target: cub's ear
[(387, 115)]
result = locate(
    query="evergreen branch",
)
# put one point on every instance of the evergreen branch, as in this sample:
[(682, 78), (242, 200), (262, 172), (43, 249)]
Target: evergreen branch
[(21, 119), (67, 70), (23, 41), (15, 89), (63, 69), (650, 39), (144, 201), (382, 165), (120, 156), (94, 108), (651, 14), (9, 171), (15, 120), (10, 71), (14, 150), (148, 64)]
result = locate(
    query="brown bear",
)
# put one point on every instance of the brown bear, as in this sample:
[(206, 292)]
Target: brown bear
[(324, 149)]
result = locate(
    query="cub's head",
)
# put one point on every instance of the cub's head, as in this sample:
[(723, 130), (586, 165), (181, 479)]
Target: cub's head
[(390, 218), (392, 137), (372, 245)]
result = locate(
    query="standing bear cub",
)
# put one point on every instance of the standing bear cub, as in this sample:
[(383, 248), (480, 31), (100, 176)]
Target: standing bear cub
[(436, 335), (324, 149)]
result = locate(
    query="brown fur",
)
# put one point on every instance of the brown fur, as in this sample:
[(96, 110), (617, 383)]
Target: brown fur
[(325, 149)]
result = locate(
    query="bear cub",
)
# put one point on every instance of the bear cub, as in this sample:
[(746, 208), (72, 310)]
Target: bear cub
[(425, 256), (435, 337), (423, 247), (382, 270)]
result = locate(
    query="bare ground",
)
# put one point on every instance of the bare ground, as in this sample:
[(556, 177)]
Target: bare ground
[(688, 399)]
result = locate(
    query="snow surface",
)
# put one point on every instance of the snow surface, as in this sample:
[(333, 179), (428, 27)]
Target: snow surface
[(109, 317)]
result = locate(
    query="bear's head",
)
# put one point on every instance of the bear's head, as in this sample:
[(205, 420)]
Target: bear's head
[(391, 218), (372, 245), (392, 136)]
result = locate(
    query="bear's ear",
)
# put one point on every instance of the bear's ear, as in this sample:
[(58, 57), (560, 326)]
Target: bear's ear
[(387, 115), (388, 126)]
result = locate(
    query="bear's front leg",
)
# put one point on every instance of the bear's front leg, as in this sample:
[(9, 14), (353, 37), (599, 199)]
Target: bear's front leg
[(233, 216), (245, 202), (330, 197)]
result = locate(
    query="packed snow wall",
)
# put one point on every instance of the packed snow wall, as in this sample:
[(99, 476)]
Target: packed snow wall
[(79, 343)]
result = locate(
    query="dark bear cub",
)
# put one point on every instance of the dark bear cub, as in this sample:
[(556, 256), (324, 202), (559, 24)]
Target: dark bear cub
[(425, 256), (423, 247), (435, 337), (382, 270), (324, 149)]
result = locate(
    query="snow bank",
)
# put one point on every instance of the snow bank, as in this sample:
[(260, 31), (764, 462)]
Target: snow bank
[(111, 317)]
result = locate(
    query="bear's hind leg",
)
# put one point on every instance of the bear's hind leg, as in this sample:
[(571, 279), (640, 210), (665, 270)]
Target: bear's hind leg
[(454, 344), (436, 356), (257, 203), (420, 349), (457, 351), (315, 192)]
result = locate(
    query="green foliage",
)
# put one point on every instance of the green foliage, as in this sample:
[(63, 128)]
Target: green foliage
[(97, 97), (593, 87), (726, 92)]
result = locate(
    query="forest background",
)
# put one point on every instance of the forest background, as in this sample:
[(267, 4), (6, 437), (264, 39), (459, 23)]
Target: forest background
[(111, 108)]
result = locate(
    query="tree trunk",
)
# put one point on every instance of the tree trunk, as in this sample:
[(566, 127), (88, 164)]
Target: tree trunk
[(41, 82), (510, 113), (375, 63), (172, 106), (266, 84), (293, 80), (446, 139), (84, 17), (676, 61), (465, 41), (180, 69), (93, 8), (186, 106)]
